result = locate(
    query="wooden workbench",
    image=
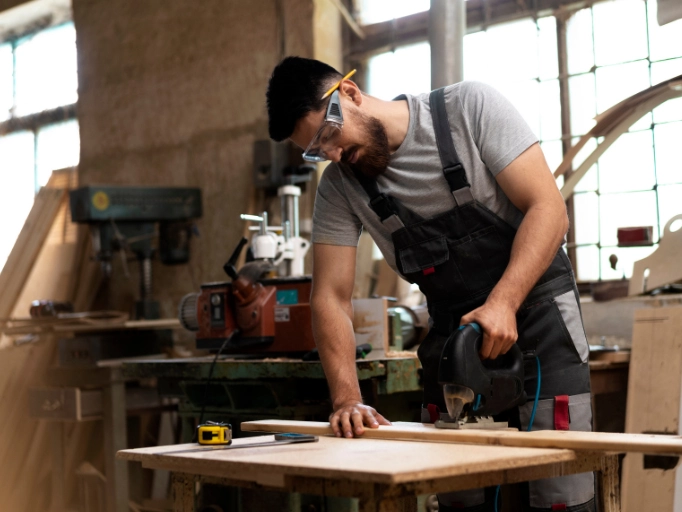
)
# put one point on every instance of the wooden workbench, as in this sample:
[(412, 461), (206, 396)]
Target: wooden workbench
[(386, 475)]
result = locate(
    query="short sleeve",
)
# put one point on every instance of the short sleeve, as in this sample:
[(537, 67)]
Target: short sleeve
[(334, 222), (498, 129)]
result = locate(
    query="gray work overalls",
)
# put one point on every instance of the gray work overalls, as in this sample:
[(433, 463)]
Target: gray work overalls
[(456, 258)]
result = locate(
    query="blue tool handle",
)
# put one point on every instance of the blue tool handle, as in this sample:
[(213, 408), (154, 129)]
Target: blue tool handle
[(476, 327)]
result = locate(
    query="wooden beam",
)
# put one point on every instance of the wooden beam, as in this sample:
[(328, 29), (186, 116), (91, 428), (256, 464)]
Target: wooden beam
[(560, 439), (28, 246)]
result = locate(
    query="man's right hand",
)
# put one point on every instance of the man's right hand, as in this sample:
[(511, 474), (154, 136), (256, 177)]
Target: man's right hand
[(349, 419)]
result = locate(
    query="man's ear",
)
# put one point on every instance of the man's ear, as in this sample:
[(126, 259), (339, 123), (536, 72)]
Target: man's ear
[(351, 90)]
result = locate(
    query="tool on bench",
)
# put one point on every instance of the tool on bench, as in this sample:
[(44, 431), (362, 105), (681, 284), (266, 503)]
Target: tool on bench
[(475, 390), (251, 314), (213, 432), (280, 439)]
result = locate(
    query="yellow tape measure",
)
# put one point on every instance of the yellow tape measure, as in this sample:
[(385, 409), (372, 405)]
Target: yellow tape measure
[(212, 432)]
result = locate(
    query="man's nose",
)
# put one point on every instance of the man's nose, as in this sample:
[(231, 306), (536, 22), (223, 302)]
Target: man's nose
[(335, 154)]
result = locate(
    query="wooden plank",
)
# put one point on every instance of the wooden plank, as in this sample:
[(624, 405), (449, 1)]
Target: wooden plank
[(663, 265), (370, 324), (27, 247), (590, 441), (362, 460), (653, 403)]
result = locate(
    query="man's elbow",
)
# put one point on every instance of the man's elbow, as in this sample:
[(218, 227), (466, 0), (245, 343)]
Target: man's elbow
[(322, 303)]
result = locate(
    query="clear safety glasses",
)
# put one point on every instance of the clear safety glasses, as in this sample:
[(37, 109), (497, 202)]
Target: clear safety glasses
[(328, 135)]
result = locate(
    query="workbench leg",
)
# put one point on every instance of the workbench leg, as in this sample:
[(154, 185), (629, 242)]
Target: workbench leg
[(115, 439), (183, 487), (609, 485), (57, 500), (389, 505)]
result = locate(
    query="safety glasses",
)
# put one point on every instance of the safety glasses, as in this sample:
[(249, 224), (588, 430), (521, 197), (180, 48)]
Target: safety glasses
[(328, 135)]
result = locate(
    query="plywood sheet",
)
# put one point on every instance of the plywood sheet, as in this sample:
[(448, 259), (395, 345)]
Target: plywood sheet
[(653, 403), (365, 460), (560, 439)]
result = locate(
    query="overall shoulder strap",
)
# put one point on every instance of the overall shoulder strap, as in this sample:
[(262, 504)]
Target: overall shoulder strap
[(452, 166), (380, 203)]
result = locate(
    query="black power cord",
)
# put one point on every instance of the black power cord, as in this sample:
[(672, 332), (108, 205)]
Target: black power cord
[(208, 379)]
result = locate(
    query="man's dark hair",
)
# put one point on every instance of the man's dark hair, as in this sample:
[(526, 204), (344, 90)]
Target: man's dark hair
[(296, 88)]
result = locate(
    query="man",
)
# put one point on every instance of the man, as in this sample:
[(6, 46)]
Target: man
[(455, 191)]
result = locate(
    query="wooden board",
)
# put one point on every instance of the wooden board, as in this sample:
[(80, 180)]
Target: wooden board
[(664, 266), (28, 245), (589, 441), (370, 323), (653, 404), (365, 460)]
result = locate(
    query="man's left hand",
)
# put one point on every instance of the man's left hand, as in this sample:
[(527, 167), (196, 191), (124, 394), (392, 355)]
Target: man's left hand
[(498, 322)]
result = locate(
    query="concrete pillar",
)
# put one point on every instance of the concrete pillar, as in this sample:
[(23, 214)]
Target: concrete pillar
[(447, 26)]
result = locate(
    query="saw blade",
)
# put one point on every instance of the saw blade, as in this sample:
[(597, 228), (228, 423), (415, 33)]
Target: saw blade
[(456, 397)]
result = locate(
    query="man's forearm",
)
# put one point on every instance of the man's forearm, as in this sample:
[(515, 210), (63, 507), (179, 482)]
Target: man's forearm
[(335, 340), (536, 243)]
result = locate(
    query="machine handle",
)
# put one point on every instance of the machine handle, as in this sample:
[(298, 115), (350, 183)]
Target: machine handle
[(229, 267)]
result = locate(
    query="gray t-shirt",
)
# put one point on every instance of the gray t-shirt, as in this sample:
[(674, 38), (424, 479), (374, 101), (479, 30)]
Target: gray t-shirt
[(488, 133)]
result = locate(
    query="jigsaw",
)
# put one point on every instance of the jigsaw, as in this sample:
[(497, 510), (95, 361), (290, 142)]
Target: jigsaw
[(476, 390)]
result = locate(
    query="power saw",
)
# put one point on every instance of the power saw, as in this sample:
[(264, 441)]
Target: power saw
[(475, 390)]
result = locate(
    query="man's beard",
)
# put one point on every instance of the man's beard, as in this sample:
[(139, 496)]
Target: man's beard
[(376, 153)]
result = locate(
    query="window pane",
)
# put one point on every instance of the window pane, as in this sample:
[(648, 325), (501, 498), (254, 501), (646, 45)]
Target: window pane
[(619, 31), (615, 83), (668, 138), (16, 187), (626, 210), (579, 42), (550, 110), (583, 103), (476, 50), (375, 11), (58, 146), (407, 70), (626, 258), (671, 110), (549, 55), (6, 82), (669, 203), (628, 165), (588, 263), (46, 70), (515, 52), (586, 210), (664, 42)]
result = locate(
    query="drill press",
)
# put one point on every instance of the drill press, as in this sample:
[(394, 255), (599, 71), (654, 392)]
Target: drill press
[(124, 219)]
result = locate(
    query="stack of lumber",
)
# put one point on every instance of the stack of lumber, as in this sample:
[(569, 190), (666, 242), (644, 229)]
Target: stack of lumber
[(50, 260)]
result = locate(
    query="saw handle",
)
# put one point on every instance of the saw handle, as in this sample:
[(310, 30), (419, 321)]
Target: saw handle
[(476, 327)]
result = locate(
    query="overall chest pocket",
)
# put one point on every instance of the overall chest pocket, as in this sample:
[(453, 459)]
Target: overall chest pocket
[(424, 255), (482, 258), (429, 264)]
